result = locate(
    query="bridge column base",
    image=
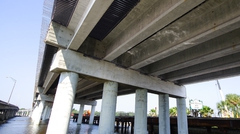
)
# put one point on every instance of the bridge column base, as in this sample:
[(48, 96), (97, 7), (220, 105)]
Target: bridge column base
[(39, 112), (163, 115), (80, 114), (140, 119), (63, 102), (182, 116), (109, 99), (44, 117), (92, 115)]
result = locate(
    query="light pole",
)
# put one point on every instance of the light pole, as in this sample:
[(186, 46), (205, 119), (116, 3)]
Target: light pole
[(12, 88)]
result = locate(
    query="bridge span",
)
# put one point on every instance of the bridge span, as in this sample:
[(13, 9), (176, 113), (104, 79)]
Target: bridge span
[(7, 111), (105, 48)]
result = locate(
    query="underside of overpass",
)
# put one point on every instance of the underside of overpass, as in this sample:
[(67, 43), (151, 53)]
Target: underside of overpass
[(175, 41), (158, 45)]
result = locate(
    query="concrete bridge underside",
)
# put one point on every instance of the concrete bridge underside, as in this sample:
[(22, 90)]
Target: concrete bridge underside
[(105, 48), (7, 111)]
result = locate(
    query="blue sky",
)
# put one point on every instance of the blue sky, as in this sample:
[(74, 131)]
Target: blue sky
[(20, 27)]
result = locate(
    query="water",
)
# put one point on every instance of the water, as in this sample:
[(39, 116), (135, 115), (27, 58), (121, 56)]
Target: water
[(24, 125)]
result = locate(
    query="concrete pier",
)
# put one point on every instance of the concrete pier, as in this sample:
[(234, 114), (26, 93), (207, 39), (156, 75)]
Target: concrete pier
[(92, 115), (108, 109), (63, 102), (80, 114), (140, 119), (182, 116), (39, 112), (164, 119)]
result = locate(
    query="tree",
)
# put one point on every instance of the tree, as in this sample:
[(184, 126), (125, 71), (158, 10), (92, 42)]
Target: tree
[(153, 112), (74, 111), (130, 113), (188, 111), (233, 104), (206, 111), (222, 109), (97, 113), (173, 111)]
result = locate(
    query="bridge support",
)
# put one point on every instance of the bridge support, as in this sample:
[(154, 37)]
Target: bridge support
[(140, 119), (182, 116), (34, 111), (80, 114), (44, 116), (92, 115), (108, 109), (38, 112), (163, 115), (62, 106), (6, 115)]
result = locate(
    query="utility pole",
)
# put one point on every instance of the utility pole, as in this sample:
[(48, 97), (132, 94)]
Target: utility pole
[(12, 88), (224, 113), (220, 90)]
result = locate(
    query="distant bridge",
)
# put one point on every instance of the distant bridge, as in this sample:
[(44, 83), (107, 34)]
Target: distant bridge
[(24, 112), (7, 110)]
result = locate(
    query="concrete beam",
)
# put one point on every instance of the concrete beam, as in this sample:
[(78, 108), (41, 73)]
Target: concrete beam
[(58, 35), (39, 90), (78, 13), (219, 64), (98, 95), (45, 98), (84, 87), (67, 60), (190, 30), (92, 14), (211, 76), (161, 14), (210, 50), (85, 102), (51, 77), (95, 89)]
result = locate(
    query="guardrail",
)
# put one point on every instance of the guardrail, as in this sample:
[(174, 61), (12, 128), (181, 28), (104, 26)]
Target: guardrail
[(223, 125)]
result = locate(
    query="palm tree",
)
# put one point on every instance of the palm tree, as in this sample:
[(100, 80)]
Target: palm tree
[(233, 104), (222, 109), (188, 111), (206, 111), (153, 112), (173, 111)]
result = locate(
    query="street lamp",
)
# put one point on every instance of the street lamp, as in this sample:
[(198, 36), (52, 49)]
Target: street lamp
[(12, 88)]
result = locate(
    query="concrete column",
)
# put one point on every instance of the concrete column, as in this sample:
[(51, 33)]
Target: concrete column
[(44, 117), (63, 102), (1, 115), (182, 116), (80, 114), (108, 109), (92, 115), (49, 112), (140, 119), (34, 111), (6, 114), (39, 112), (163, 114)]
